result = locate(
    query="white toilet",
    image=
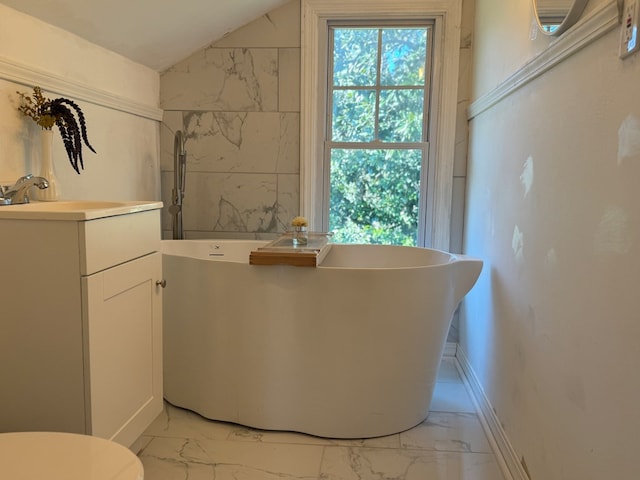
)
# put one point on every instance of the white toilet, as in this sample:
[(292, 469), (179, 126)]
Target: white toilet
[(65, 456)]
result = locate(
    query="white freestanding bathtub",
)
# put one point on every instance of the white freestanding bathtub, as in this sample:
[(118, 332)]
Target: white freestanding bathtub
[(349, 349)]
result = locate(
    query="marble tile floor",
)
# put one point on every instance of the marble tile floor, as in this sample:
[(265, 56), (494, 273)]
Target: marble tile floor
[(449, 445)]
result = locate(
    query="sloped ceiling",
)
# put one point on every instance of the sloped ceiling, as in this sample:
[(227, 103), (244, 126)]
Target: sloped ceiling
[(155, 33)]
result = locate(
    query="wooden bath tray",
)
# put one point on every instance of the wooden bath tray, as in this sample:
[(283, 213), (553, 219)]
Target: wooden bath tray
[(282, 251)]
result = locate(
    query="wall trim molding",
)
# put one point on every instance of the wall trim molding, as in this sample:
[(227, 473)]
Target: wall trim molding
[(23, 74), (505, 453), (587, 30)]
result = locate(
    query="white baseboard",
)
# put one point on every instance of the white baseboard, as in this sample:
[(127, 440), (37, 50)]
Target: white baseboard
[(506, 455)]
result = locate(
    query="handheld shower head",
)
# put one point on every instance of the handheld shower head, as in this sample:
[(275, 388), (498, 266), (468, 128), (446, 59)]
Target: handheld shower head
[(178, 144), (179, 180)]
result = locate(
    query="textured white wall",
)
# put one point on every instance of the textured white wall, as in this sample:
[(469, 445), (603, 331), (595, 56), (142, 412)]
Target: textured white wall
[(127, 163), (551, 329)]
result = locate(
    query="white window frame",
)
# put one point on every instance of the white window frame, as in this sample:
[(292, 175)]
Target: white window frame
[(315, 16)]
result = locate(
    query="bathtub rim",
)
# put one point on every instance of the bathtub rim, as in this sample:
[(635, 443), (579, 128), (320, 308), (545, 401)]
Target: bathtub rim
[(440, 257)]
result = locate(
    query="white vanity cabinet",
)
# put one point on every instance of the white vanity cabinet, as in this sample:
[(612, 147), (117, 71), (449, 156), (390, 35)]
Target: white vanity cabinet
[(80, 324)]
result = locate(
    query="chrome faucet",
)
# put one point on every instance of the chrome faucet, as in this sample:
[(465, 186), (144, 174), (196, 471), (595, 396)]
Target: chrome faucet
[(18, 192)]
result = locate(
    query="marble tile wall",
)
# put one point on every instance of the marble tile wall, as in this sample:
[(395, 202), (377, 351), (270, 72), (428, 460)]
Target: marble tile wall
[(237, 102), (462, 141)]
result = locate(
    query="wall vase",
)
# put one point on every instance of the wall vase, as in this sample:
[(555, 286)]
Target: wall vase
[(52, 192)]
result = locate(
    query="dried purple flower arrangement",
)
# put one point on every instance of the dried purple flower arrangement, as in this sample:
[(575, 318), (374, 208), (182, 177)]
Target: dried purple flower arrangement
[(61, 112)]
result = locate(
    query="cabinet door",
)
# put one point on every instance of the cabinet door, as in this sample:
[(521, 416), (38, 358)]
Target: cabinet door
[(122, 317)]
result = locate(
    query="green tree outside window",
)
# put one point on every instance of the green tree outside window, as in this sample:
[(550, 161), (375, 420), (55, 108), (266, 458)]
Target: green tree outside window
[(378, 110)]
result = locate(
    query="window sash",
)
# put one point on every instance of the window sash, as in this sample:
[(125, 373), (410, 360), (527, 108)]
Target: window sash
[(378, 87)]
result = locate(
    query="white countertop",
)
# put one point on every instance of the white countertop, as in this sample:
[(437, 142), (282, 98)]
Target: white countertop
[(74, 209)]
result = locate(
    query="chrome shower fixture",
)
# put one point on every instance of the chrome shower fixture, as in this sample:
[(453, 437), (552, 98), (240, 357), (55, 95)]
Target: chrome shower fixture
[(179, 180)]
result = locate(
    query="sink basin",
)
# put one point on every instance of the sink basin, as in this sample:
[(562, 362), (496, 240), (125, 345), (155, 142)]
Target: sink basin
[(74, 209)]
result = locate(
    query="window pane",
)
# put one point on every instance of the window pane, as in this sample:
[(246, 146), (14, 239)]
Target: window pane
[(401, 115), (355, 56), (353, 118), (374, 196), (404, 53)]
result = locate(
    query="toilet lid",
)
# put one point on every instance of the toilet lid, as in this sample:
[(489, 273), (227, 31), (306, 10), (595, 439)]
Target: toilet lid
[(65, 456)]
